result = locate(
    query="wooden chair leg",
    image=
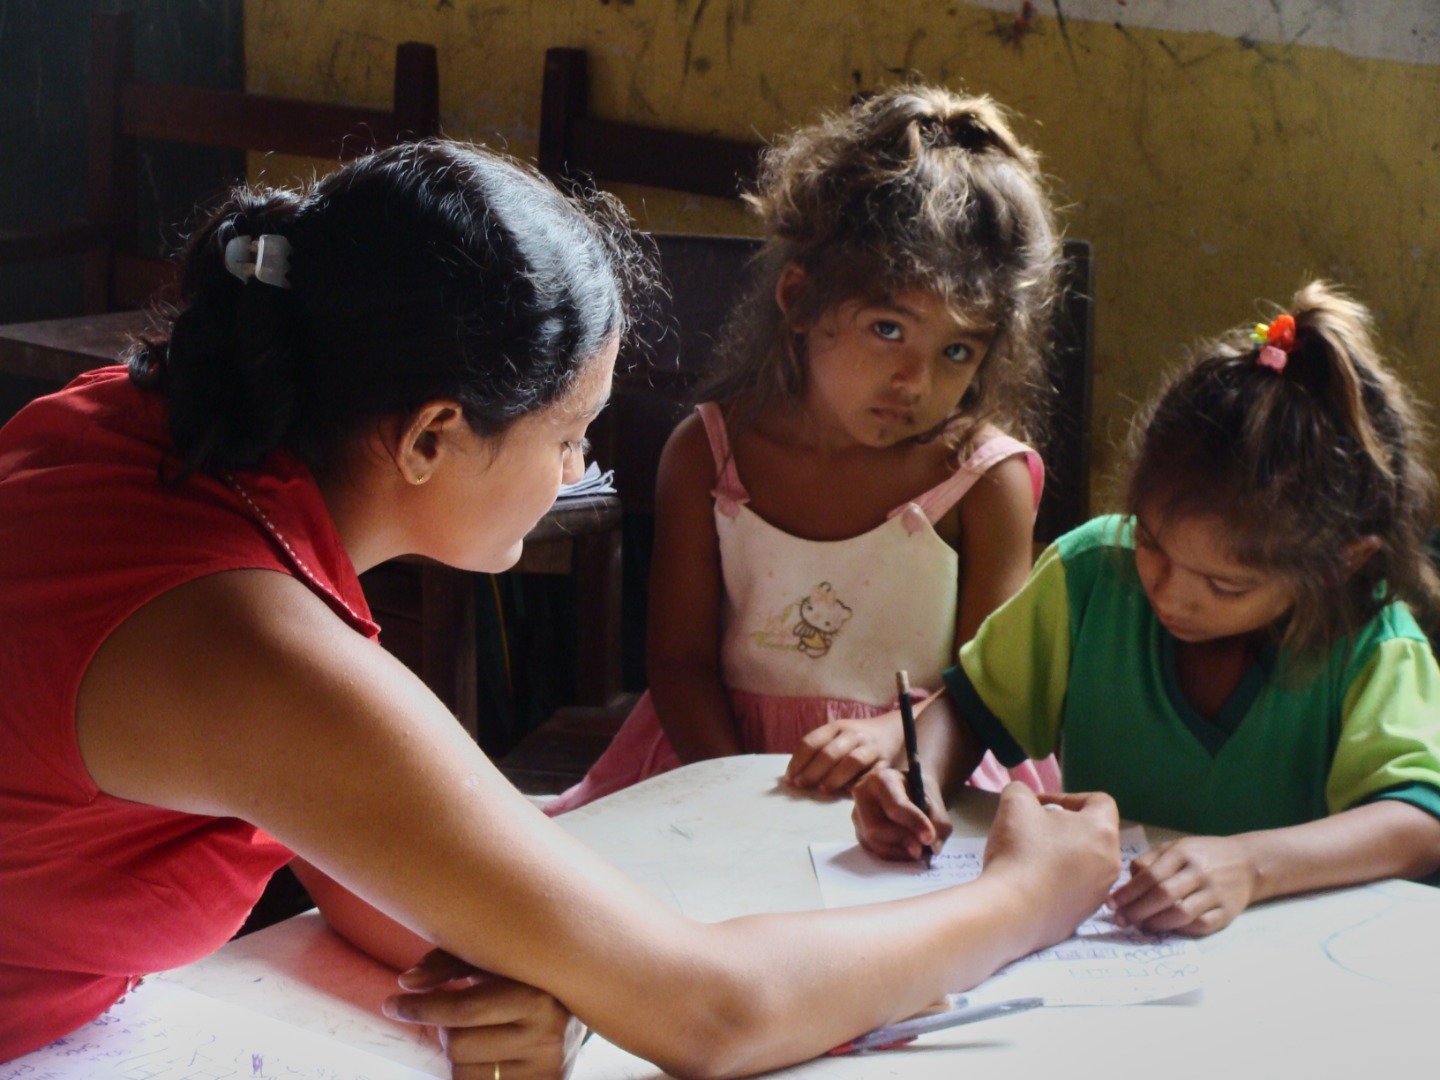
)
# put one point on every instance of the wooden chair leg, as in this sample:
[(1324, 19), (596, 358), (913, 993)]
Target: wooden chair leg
[(447, 641)]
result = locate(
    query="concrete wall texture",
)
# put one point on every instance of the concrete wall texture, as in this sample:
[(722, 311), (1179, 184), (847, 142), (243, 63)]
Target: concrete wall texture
[(1215, 152)]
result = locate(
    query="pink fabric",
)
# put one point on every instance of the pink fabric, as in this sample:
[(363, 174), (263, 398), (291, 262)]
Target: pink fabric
[(773, 723), (768, 725), (96, 891)]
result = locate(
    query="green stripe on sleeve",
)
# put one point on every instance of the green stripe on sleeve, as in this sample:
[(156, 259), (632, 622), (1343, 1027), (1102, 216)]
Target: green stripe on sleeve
[(982, 721), (1017, 667)]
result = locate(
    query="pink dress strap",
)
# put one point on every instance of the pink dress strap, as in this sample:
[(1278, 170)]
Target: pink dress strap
[(936, 502), (729, 492)]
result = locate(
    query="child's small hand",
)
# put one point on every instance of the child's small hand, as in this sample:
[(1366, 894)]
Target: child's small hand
[(830, 758), (484, 1019), (888, 824), (1194, 886)]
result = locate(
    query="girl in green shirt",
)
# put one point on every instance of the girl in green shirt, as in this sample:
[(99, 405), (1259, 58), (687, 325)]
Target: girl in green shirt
[(1237, 658)]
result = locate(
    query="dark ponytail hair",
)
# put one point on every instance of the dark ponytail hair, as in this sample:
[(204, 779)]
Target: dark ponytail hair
[(1301, 464), (429, 270)]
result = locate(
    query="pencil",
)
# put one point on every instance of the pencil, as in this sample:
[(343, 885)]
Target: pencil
[(883, 1038), (914, 782)]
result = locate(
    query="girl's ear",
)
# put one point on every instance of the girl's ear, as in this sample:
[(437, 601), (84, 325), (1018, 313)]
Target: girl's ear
[(419, 442), (1358, 551), (789, 287)]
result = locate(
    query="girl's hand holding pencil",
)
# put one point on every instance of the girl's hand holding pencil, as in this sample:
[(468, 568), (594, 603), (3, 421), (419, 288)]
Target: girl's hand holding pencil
[(1026, 845), (890, 824)]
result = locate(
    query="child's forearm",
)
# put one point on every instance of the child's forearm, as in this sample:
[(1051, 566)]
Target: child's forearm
[(1386, 838), (949, 750), (694, 711)]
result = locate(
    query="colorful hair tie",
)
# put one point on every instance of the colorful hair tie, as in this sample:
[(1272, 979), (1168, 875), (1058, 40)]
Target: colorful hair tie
[(1275, 340)]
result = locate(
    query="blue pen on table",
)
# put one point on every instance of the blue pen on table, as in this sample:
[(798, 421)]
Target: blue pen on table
[(914, 782), (892, 1035)]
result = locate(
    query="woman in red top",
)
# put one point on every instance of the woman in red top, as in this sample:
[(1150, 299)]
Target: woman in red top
[(402, 360)]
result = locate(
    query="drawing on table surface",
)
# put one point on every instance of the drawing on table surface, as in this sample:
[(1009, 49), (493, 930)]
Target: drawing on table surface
[(161, 1031), (1102, 964), (1367, 948)]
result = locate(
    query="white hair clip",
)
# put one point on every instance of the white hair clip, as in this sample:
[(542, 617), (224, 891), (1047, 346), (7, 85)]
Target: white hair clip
[(266, 259)]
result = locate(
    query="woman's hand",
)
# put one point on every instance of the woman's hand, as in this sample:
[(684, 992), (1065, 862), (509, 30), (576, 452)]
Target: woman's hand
[(831, 757), (1063, 850), (1195, 885), (485, 1020), (888, 824)]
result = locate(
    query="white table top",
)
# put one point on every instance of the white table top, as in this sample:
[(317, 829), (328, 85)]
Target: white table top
[(1324, 985)]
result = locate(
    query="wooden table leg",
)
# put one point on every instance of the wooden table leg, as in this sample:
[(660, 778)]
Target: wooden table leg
[(598, 605)]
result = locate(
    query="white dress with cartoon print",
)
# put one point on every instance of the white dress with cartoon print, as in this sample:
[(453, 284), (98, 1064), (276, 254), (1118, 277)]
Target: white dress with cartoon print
[(814, 631)]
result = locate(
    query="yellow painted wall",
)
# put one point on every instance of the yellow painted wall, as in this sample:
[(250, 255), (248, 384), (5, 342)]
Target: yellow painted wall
[(1209, 173)]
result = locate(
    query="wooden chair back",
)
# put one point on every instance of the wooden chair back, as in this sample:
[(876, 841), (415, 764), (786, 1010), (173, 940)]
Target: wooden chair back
[(124, 110), (1065, 445), (672, 347), (573, 143)]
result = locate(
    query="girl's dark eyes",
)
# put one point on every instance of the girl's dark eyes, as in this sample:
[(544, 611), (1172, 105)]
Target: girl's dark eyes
[(576, 446), (959, 353)]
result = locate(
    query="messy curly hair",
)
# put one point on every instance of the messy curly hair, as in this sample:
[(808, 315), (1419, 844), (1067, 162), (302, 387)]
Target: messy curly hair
[(915, 187)]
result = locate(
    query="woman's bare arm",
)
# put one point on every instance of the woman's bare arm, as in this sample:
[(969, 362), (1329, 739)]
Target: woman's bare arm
[(242, 695), (363, 925)]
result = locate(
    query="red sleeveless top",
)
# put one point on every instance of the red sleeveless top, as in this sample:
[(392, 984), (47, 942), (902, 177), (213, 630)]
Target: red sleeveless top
[(96, 891)]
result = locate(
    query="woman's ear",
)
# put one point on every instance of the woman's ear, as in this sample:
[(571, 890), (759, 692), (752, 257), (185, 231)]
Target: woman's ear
[(420, 441), (789, 288), (1357, 551)]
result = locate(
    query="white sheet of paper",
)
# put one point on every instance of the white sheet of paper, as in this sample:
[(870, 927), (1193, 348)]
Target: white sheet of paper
[(592, 482), (161, 1031), (1103, 964)]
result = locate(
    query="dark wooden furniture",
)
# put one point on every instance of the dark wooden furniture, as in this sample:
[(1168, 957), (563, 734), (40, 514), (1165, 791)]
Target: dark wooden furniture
[(572, 142), (1065, 446), (124, 110), (656, 376)]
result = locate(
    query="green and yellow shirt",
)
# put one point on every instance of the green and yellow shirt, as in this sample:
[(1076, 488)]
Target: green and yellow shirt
[(1077, 663)]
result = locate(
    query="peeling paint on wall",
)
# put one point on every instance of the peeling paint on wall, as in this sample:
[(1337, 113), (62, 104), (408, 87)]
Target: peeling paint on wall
[(1214, 153), (1405, 30)]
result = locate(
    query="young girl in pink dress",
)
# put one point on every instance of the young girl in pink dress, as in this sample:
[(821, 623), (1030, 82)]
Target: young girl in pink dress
[(847, 501)]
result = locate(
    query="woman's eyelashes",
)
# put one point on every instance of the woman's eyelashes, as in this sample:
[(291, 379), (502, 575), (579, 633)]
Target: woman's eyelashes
[(575, 446)]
